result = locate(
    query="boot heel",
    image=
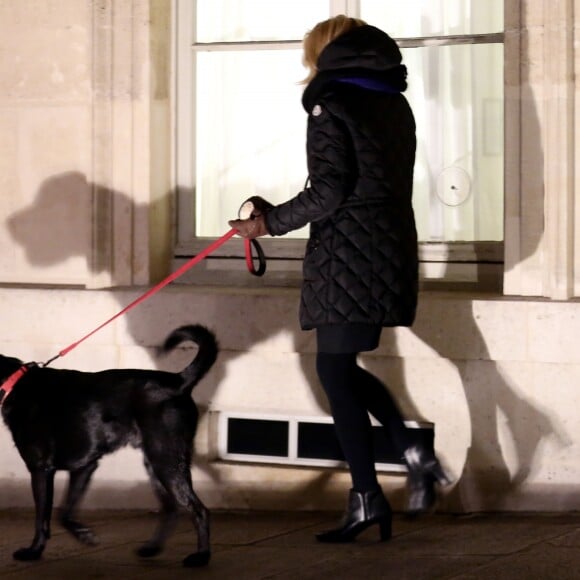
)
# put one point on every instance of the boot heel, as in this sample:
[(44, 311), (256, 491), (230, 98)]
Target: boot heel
[(385, 529), (424, 472), (364, 509)]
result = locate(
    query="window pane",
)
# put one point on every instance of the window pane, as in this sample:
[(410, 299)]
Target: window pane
[(251, 131), (244, 20), (251, 137), (411, 18), (456, 93)]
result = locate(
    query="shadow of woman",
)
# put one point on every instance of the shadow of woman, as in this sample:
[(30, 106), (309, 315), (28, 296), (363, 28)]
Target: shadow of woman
[(486, 480)]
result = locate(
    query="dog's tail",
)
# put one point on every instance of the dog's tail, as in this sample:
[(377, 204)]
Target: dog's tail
[(205, 357)]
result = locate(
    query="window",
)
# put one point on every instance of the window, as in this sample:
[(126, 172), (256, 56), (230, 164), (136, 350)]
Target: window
[(454, 53), (241, 126)]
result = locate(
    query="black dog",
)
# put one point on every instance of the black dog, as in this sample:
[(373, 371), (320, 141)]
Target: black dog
[(67, 420)]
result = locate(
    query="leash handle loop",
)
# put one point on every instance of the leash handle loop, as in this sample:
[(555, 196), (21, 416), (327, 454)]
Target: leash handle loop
[(248, 244)]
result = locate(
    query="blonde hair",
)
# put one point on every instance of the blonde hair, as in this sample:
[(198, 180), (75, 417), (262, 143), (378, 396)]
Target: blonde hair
[(324, 32)]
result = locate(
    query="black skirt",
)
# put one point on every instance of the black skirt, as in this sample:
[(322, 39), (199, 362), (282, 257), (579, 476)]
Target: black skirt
[(343, 338)]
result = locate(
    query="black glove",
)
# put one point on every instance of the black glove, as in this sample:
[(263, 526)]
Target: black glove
[(254, 206)]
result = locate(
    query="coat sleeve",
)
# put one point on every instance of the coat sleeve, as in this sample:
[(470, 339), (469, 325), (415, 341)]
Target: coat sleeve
[(331, 175)]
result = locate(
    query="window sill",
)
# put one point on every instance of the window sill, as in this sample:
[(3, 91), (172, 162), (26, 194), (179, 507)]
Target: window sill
[(459, 276)]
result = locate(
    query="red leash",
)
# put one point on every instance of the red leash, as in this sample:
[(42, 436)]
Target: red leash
[(179, 272), (9, 383)]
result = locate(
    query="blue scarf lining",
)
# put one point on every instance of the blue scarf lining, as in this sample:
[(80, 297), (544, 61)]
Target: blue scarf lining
[(370, 84)]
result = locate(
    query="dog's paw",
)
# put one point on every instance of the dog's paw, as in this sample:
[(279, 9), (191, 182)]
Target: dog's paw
[(197, 559), (149, 550), (80, 532), (27, 554), (86, 536)]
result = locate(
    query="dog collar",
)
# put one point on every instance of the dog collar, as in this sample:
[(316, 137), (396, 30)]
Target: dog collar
[(8, 384)]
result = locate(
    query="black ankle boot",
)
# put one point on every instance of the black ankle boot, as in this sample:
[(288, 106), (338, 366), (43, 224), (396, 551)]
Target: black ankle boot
[(364, 509), (424, 471)]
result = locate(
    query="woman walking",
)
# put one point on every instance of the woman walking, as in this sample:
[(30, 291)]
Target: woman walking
[(361, 266)]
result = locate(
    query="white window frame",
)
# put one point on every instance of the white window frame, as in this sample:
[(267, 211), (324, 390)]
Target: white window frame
[(471, 265)]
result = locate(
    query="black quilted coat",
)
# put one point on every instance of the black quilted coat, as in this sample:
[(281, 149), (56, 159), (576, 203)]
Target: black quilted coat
[(361, 258)]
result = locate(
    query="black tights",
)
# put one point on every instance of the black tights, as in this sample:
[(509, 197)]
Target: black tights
[(353, 392)]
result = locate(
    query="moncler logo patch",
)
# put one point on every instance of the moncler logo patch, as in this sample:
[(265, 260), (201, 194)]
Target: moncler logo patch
[(316, 111)]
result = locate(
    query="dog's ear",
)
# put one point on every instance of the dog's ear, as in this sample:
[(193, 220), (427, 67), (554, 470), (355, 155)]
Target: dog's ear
[(9, 361)]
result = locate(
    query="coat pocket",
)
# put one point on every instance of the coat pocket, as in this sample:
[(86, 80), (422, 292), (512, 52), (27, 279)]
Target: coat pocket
[(311, 267)]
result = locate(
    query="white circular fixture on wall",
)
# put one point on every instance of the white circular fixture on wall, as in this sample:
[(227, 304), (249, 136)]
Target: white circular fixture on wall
[(453, 186)]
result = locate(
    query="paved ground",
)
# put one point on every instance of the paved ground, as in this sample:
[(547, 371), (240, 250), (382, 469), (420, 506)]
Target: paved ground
[(281, 546)]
